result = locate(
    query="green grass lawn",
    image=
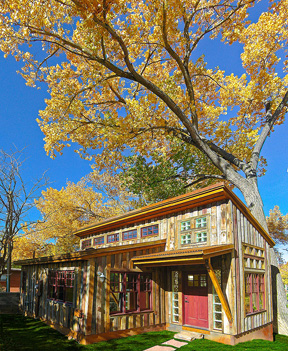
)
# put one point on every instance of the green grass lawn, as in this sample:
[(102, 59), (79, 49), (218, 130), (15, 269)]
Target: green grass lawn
[(18, 333)]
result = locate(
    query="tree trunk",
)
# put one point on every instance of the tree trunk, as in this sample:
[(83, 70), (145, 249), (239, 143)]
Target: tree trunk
[(279, 298)]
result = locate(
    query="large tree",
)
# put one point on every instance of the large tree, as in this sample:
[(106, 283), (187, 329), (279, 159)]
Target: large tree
[(94, 198), (129, 75), (16, 200)]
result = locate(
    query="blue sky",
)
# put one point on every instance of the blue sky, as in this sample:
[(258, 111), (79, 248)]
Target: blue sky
[(19, 109)]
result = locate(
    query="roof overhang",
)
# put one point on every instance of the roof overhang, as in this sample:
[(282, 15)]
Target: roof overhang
[(182, 257), (91, 253)]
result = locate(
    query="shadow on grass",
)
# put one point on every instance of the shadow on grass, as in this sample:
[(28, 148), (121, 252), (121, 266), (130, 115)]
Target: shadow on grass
[(27, 334)]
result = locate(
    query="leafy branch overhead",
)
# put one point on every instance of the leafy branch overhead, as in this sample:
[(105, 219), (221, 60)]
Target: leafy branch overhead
[(126, 75)]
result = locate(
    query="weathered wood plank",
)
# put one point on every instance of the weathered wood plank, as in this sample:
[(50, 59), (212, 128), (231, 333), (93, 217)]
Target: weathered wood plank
[(91, 282)]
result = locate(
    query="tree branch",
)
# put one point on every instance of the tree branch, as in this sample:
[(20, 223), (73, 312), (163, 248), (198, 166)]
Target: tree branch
[(182, 68), (270, 120), (205, 177)]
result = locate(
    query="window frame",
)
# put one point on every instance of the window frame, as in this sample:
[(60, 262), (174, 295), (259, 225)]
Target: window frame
[(128, 232), (134, 288), (194, 230), (147, 228), (115, 237), (84, 244), (95, 241), (256, 286), (59, 279)]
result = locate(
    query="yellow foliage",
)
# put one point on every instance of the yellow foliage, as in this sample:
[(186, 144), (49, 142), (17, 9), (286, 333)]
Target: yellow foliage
[(92, 199), (129, 77)]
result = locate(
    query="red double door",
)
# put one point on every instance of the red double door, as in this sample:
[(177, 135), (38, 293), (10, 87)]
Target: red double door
[(195, 299)]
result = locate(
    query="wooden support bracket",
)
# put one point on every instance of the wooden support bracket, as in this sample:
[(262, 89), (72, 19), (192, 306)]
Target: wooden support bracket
[(218, 290)]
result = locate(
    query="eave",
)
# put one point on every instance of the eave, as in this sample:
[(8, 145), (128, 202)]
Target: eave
[(197, 255), (90, 253)]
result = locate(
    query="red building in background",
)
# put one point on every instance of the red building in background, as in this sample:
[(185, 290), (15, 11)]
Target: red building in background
[(15, 279)]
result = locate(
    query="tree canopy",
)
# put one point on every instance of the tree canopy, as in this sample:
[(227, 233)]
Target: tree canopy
[(126, 75)]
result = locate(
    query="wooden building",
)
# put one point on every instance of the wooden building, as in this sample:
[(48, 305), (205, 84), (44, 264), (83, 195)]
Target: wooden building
[(198, 262), (15, 277)]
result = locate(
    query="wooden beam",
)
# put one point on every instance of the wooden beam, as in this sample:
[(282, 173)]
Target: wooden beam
[(174, 261), (218, 290), (90, 288)]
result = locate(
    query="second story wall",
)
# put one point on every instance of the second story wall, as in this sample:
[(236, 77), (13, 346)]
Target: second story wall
[(197, 226)]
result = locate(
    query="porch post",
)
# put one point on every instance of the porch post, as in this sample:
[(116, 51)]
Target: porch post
[(90, 292), (218, 289)]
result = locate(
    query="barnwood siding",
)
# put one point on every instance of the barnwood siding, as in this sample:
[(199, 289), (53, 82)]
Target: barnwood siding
[(102, 321), (245, 233), (220, 227), (49, 310)]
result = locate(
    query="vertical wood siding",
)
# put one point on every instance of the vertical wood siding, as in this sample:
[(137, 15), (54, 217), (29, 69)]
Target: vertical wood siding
[(103, 321), (52, 311), (245, 233)]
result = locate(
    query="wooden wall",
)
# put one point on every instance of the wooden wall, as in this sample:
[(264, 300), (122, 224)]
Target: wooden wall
[(244, 232), (91, 296), (220, 226), (101, 320), (52, 311)]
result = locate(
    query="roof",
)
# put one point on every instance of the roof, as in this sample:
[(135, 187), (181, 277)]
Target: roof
[(200, 197), (89, 253), (184, 256)]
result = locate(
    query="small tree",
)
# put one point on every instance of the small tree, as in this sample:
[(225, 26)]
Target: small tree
[(16, 199)]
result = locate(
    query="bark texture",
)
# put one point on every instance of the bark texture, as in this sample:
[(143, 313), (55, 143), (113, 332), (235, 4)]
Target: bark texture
[(280, 310)]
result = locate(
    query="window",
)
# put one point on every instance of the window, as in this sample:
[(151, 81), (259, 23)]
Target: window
[(149, 231), (175, 296), (129, 292), (201, 222), (197, 280), (130, 234), (185, 226), (190, 231), (186, 239), (112, 238), (217, 306), (99, 240), (201, 237), (145, 292), (60, 285), (254, 292), (253, 257), (86, 244)]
